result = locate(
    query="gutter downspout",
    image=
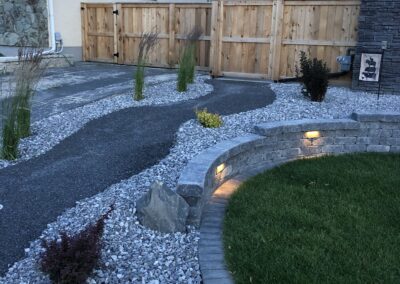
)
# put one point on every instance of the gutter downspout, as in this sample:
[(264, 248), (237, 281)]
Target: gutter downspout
[(52, 32), (52, 40)]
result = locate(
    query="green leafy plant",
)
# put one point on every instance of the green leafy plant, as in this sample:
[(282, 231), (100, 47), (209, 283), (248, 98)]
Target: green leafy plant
[(187, 63), (73, 259), (147, 42), (314, 75), (207, 119)]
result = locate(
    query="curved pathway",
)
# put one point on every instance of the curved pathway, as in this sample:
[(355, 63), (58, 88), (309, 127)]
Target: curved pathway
[(105, 151)]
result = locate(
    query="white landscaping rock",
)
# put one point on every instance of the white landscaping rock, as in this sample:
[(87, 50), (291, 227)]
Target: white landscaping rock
[(144, 255), (50, 131)]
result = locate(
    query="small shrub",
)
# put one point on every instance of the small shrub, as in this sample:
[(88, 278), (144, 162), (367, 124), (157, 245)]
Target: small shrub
[(147, 42), (73, 259), (209, 120), (314, 76)]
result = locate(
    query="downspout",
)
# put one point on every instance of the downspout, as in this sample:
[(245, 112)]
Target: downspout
[(52, 40), (52, 32)]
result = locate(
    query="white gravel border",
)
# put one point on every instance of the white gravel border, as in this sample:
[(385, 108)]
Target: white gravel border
[(50, 131), (134, 254)]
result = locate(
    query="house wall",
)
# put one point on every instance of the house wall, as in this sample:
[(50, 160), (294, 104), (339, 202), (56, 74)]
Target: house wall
[(379, 21), (23, 23), (18, 23)]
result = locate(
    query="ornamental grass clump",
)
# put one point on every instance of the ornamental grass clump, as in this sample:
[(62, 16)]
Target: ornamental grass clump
[(73, 259), (207, 119), (147, 42), (314, 75), (17, 100), (10, 134), (187, 63), (27, 75)]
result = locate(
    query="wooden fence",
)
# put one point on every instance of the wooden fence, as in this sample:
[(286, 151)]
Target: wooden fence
[(249, 38)]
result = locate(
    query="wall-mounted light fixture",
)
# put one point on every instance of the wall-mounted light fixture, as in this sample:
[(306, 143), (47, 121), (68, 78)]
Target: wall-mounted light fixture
[(219, 169), (312, 135)]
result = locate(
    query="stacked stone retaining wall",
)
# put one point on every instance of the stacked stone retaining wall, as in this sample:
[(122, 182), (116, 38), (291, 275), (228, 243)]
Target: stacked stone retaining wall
[(274, 143)]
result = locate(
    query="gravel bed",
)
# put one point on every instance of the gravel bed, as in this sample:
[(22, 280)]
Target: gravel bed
[(134, 254), (50, 131)]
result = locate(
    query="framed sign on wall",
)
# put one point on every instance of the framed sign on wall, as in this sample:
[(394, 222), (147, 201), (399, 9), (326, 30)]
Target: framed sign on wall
[(370, 67)]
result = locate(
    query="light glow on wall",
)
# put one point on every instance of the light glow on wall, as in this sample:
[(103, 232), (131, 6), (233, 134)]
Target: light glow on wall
[(312, 134), (220, 168)]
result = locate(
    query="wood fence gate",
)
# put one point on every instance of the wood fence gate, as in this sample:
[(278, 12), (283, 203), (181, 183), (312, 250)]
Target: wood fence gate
[(249, 38)]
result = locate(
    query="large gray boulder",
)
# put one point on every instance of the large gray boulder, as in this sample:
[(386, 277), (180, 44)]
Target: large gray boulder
[(162, 209)]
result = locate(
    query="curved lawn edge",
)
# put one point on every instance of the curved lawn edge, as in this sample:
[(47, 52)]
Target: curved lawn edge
[(282, 141), (277, 143), (340, 230), (50, 131)]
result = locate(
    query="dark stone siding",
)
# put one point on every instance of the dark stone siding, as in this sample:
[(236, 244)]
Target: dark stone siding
[(379, 21), (23, 23)]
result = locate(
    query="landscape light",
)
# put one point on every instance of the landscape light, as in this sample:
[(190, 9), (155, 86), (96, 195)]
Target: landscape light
[(312, 134), (220, 168)]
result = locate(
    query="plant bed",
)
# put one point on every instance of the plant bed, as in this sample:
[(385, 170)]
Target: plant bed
[(331, 220)]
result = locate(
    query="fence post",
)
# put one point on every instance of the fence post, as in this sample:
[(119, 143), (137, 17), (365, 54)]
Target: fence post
[(171, 31), (276, 39), (117, 32), (85, 41), (217, 15)]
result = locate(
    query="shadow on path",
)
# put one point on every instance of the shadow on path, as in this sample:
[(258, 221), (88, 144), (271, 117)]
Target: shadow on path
[(102, 153)]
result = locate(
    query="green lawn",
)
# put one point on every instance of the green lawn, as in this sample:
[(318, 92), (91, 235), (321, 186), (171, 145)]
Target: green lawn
[(325, 220)]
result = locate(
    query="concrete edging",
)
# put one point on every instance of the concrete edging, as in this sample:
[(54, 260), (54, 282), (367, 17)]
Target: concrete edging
[(274, 143)]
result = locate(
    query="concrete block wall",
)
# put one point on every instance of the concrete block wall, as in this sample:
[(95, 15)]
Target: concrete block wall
[(275, 143), (379, 21)]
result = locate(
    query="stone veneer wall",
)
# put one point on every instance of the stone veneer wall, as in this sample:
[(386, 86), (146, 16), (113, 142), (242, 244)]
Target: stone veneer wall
[(278, 142), (23, 23), (379, 21)]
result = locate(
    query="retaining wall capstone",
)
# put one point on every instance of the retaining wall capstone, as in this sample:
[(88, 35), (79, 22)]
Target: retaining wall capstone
[(274, 143)]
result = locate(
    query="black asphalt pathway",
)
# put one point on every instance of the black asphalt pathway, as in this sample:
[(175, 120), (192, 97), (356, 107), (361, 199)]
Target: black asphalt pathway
[(106, 151)]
